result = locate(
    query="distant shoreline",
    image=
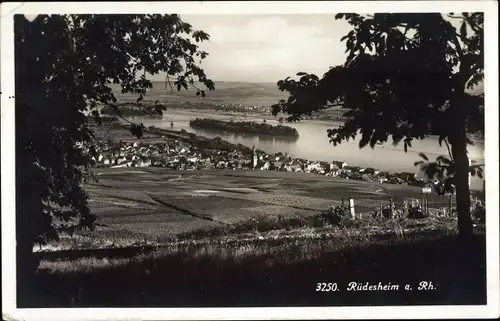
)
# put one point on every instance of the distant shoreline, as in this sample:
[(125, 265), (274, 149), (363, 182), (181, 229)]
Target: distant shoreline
[(257, 115)]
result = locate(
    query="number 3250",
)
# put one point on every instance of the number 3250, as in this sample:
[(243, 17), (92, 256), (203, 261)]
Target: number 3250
[(326, 287)]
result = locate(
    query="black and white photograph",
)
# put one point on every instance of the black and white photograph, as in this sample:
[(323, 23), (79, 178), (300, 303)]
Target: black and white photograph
[(252, 160)]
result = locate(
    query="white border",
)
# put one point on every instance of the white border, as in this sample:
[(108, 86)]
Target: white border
[(8, 163)]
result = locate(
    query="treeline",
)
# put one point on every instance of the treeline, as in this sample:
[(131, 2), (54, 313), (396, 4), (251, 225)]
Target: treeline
[(129, 111), (103, 119), (244, 127)]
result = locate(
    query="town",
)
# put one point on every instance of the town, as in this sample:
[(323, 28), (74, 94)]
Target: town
[(182, 156)]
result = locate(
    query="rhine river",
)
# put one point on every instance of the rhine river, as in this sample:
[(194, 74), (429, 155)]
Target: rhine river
[(313, 143)]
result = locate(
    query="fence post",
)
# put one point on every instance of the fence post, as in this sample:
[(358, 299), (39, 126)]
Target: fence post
[(470, 175), (254, 158), (381, 209), (353, 212), (450, 204), (422, 201)]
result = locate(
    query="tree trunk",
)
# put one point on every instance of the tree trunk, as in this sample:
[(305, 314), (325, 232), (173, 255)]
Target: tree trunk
[(458, 140), (459, 151), (27, 265), (464, 256)]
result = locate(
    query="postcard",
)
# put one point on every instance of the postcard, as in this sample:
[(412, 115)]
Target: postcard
[(249, 160)]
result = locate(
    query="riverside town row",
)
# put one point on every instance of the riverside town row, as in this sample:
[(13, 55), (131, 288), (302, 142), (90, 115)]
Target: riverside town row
[(180, 155)]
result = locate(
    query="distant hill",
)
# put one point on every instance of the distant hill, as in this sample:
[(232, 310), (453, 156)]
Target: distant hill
[(225, 92), (232, 92)]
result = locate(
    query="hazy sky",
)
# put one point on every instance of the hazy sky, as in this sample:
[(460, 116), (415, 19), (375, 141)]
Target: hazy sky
[(267, 48)]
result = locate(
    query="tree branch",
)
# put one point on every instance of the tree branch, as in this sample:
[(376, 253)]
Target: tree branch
[(192, 84), (472, 72), (455, 17), (167, 79), (457, 45), (116, 106), (117, 114), (448, 147)]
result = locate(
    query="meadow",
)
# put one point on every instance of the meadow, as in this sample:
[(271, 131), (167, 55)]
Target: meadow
[(146, 256), (279, 268)]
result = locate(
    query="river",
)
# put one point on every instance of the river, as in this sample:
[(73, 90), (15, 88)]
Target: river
[(313, 143)]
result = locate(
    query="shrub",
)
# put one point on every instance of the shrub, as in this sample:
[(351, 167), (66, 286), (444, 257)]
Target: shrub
[(339, 216), (478, 210), (386, 211), (415, 210)]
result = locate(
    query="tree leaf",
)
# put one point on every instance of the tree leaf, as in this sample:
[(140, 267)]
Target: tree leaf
[(441, 139), (422, 155), (463, 30), (418, 163), (73, 61)]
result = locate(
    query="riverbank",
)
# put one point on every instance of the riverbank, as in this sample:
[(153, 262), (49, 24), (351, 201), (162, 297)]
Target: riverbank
[(183, 151), (257, 116)]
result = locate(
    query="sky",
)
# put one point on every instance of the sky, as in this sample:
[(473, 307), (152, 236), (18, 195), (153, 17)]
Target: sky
[(267, 48)]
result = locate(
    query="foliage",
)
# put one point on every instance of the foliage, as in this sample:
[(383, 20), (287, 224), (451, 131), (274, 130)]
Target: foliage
[(65, 66), (478, 210), (244, 127), (416, 211), (340, 216), (405, 78), (131, 111), (406, 209), (442, 170)]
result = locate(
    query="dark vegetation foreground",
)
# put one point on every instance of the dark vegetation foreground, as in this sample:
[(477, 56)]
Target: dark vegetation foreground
[(214, 280)]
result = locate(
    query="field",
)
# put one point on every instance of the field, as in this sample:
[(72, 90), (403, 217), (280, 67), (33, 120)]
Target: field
[(225, 92), (243, 238), (157, 202), (228, 93)]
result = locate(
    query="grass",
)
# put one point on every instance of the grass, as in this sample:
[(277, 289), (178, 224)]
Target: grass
[(266, 274), (268, 227), (278, 223), (230, 266)]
